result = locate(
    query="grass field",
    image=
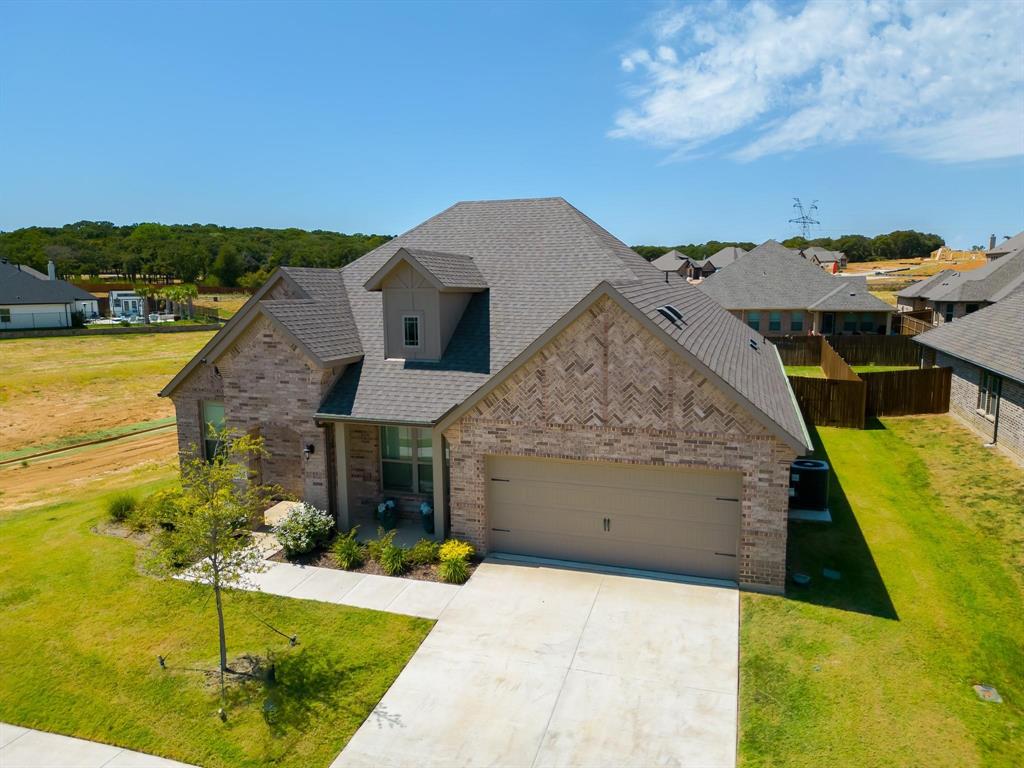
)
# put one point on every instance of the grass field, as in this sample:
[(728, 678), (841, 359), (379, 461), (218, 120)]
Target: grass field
[(82, 630), (226, 304), (54, 391), (876, 669)]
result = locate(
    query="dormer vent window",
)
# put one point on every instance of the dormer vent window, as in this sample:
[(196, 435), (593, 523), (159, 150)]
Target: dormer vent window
[(671, 314)]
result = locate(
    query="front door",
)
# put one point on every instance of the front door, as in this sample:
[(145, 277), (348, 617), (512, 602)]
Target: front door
[(828, 323)]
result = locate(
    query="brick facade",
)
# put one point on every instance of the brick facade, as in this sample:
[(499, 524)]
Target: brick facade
[(963, 401), (271, 388), (362, 443), (605, 389)]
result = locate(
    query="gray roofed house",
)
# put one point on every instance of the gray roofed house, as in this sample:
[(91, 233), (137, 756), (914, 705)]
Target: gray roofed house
[(831, 261), (673, 261), (1009, 245), (512, 331), (29, 299), (952, 294), (724, 257), (778, 292), (986, 353)]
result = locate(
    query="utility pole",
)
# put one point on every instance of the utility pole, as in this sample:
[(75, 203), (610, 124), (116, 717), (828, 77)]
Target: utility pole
[(805, 218)]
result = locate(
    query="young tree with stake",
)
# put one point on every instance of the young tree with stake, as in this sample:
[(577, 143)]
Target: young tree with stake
[(206, 532)]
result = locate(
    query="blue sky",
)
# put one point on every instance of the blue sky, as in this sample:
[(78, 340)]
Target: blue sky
[(665, 123)]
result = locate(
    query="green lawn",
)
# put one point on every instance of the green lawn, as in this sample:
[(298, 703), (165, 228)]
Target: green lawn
[(809, 371), (815, 372), (882, 368), (82, 629), (876, 669)]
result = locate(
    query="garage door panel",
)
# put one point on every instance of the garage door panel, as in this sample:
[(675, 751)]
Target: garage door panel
[(679, 520)]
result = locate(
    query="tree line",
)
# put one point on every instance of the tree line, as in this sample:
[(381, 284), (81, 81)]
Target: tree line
[(190, 253), (901, 244)]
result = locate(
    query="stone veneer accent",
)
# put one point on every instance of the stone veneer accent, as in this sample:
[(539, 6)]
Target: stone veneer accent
[(963, 401), (268, 386), (605, 389)]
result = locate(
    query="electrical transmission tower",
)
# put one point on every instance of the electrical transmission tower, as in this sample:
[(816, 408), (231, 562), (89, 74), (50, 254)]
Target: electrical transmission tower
[(805, 217)]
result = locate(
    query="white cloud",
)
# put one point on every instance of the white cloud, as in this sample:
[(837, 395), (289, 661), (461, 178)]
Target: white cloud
[(940, 81)]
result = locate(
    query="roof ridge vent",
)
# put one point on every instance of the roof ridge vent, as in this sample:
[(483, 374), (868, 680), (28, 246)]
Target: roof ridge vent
[(671, 314)]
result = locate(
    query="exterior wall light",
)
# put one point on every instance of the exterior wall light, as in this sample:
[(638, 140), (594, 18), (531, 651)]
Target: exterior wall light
[(308, 450)]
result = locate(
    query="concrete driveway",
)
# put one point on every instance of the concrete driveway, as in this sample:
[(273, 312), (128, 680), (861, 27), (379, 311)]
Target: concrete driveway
[(538, 666)]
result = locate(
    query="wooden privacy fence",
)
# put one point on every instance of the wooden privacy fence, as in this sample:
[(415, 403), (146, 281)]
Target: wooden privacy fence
[(799, 350), (831, 402), (876, 350), (834, 366), (901, 393)]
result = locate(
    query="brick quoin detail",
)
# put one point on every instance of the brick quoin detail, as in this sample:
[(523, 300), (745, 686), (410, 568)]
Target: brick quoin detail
[(605, 389)]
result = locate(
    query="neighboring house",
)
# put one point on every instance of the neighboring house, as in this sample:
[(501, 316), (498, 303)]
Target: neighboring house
[(777, 292), (547, 390), (1008, 246), (986, 353), (30, 299), (677, 262), (951, 294), (721, 258), (126, 304), (830, 261)]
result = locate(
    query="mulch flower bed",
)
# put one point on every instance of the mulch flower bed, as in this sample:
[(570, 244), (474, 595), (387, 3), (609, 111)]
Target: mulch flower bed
[(322, 558)]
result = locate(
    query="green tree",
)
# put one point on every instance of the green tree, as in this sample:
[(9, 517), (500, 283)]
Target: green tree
[(205, 532), (227, 267)]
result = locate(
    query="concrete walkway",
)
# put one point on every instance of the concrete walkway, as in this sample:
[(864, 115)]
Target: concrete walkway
[(28, 748), (411, 597), (538, 666)]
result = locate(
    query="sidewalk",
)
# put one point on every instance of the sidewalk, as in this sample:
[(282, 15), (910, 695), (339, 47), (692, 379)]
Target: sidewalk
[(425, 599), (28, 748)]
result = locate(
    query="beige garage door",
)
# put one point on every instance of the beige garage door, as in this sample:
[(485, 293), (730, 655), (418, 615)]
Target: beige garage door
[(653, 518)]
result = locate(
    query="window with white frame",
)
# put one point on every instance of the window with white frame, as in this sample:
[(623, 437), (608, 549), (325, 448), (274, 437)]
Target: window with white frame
[(774, 321), (754, 320), (406, 460), (796, 321), (411, 330), (988, 393), (5, 315)]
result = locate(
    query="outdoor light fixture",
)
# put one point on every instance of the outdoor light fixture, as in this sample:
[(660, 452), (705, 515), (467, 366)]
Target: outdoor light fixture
[(309, 450)]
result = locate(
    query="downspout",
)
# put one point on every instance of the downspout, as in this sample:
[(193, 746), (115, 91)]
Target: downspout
[(999, 405)]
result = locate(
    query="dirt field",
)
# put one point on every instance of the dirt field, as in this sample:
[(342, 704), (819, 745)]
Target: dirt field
[(916, 267), (61, 475), (54, 389)]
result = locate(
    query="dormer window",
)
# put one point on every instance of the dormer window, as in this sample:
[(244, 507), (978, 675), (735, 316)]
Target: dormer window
[(424, 296), (411, 331)]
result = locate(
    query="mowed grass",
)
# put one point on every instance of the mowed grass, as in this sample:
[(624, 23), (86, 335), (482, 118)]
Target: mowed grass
[(815, 371), (226, 304), (807, 371), (56, 390), (82, 629), (876, 669)]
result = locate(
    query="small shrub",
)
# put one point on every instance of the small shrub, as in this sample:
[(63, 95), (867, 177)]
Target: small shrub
[(158, 510), (120, 507), (391, 557), (348, 553), (423, 552), (453, 549), (373, 546), (455, 570), (304, 529)]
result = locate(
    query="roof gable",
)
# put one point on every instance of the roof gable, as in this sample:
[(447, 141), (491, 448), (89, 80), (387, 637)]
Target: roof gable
[(19, 286), (445, 271)]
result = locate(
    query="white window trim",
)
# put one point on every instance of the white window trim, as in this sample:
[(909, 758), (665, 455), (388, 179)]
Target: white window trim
[(418, 316)]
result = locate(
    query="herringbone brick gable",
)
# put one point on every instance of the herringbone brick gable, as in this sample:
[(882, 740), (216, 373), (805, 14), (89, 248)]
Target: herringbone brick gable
[(606, 369)]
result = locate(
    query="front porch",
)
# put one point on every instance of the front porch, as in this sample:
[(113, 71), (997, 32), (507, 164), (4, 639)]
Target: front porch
[(374, 462)]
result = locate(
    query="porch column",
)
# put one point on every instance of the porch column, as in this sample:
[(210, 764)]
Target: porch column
[(816, 322), (341, 476), (437, 444), (888, 323)]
